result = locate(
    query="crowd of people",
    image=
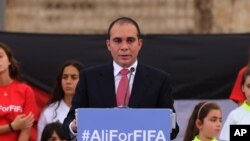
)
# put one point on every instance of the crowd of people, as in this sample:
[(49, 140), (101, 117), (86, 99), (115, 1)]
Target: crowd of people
[(101, 87)]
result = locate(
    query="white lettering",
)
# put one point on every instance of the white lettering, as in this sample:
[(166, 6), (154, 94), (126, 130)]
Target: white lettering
[(237, 132), (240, 132), (135, 135), (151, 134), (160, 136), (11, 108), (122, 137), (130, 136), (243, 131), (95, 136), (113, 134)]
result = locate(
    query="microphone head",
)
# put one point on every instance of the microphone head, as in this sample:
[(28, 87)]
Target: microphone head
[(132, 69)]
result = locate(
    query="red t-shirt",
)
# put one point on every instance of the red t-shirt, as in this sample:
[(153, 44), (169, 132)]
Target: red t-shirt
[(237, 95), (15, 98)]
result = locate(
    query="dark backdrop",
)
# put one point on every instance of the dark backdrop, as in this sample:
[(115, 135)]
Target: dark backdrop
[(202, 66)]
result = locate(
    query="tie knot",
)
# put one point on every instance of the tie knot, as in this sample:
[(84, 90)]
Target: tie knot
[(124, 71)]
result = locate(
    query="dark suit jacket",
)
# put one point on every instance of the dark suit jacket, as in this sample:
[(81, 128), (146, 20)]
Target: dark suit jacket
[(152, 88)]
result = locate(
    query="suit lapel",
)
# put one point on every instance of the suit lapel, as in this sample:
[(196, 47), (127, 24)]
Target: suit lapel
[(140, 85), (107, 87)]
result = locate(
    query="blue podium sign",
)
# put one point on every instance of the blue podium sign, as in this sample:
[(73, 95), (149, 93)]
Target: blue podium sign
[(96, 124)]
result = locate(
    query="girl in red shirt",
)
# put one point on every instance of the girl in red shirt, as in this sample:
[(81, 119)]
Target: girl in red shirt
[(18, 108)]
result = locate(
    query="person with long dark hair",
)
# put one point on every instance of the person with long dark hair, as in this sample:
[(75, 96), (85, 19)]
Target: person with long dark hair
[(18, 109), (64, 90), (204, 123)]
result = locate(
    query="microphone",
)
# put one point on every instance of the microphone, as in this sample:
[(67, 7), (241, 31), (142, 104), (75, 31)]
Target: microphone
[(127, 89)]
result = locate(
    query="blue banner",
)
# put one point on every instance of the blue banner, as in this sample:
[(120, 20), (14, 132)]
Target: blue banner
[(123, 124)]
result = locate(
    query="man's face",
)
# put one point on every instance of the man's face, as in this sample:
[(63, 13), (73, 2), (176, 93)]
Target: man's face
[(124, 44)]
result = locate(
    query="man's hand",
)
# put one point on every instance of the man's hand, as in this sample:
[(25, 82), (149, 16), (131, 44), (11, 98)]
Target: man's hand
[(73, 126)]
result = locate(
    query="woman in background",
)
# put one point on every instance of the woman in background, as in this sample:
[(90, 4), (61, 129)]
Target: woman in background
[(18, 108), (64, 90)]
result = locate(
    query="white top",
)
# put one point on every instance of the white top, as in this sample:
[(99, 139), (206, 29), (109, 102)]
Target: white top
[(49, 113), (240, 115)]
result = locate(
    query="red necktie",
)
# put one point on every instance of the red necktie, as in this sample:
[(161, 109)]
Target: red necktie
[(122, 88)]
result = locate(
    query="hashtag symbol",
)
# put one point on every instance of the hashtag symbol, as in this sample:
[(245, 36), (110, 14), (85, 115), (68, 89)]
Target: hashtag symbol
[(85, 135)]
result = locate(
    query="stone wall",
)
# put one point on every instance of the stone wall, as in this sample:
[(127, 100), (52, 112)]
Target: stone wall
[(154, 16)]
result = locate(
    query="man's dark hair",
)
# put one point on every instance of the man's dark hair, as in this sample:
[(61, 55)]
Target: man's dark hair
[(123, 20)]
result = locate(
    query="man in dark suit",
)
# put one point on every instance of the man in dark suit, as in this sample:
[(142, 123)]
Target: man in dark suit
[(97, 87)]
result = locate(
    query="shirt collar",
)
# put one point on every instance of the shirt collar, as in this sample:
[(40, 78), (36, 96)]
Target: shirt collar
[(117, 68), (246, 106), (197, 139)]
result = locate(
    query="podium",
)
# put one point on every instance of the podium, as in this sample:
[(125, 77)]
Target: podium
[(123, 124)]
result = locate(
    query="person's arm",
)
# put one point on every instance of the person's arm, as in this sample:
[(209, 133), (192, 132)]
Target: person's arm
[(29, 107), (24, 135), (4, 128), (73, 127), (20, 122), (23, 122), (68, 123)]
